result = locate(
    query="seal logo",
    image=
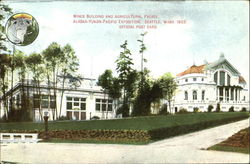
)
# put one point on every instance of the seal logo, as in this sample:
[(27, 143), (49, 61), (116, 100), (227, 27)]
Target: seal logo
[(21, 29)]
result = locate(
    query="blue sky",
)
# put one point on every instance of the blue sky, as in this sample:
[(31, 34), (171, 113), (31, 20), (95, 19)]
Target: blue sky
[(212, 28)]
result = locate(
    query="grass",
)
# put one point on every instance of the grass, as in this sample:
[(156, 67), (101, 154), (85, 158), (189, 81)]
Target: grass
[(230, 149), (139, 123)]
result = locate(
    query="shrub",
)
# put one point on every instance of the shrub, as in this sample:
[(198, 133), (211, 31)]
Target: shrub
[(231, 109), (63, 118), (95, 118), (210, 108), (164, 109), (196, 110), (182, 111), (218, 107), (244, 109)]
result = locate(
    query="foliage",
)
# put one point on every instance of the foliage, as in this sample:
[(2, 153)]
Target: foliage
[(196, 110), (231, 109), (127, 77), (210, 108), (164, 109), (218, 107), (168, 86), (63, 118), (244, 109), (182, 111), (95, 118)]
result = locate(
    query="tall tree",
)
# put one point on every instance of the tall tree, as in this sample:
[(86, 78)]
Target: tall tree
[(168, 86), (105, 81), (69, 65), (127, 76), (53, 56), (35, 64), (5, 65)]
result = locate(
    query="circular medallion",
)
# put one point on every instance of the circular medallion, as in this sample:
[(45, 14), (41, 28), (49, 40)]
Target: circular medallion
[(21, 29)]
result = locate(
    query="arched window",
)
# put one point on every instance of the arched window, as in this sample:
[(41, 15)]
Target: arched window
[(203, 95), (194, 95), (228, 79), (186, 95)]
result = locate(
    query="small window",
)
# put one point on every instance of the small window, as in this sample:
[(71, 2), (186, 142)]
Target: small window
[(76, 104), (69, 98), (194, 95), (69, 105), (76, 99), (98, 100), (186, 80), (194, 79), (83, 99), (186, 95), (83, 106), (202, 79), (97, 107)]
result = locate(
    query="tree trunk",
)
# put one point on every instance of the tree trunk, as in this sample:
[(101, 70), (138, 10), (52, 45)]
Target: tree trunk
[(62, 95)]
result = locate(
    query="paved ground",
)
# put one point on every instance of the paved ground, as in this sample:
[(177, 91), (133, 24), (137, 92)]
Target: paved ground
[(182, 149)]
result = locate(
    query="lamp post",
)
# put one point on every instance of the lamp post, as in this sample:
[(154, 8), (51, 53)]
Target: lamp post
[(46, 117)]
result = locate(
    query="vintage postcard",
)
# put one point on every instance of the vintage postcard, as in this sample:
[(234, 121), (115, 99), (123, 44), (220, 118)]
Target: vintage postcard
[(124, 81)]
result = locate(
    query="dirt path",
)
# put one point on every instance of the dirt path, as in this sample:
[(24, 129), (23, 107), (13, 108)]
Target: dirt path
[(181, 149)]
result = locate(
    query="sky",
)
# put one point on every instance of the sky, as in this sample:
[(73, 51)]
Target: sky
[(211, 28)]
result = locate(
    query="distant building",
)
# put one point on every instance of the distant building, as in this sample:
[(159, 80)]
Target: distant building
[(78, 103), (211, 84)]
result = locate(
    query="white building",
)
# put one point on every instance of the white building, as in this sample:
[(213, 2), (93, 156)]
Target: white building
[(210, 84), (76, 103)]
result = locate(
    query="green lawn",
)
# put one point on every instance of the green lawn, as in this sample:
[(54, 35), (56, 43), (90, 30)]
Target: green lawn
[(230, 149), (139, 123)]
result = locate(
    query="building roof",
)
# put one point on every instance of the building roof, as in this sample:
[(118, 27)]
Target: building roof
[(242, 80), (193, 69)]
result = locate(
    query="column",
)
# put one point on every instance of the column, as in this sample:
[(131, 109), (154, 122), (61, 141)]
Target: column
[(229, 94), (226, 78), (224, 94), (218, 78), (239, 95), (235, 94)]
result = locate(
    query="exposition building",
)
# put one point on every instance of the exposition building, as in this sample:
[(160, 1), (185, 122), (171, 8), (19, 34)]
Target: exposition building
[(83, 102), (211, 84)]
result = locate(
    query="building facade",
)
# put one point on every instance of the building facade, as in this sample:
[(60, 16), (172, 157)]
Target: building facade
[(211, 84), (84, 102)]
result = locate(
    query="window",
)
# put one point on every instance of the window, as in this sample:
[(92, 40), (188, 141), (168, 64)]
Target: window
[(216, 77), (52, 102), (228, 80), (103, 105), (186, 80), (194, 95), (202, 79), (186, 95), (36, 101), (222, 78), (76, 103), (203, 95), (194, 79), (45, 101)]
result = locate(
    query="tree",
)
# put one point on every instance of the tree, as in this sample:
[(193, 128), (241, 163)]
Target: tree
[(168, 86), (127, 77), (5, 65), (53, 56), (34, 63), (105, 81), (5, 11), (69, 65)]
